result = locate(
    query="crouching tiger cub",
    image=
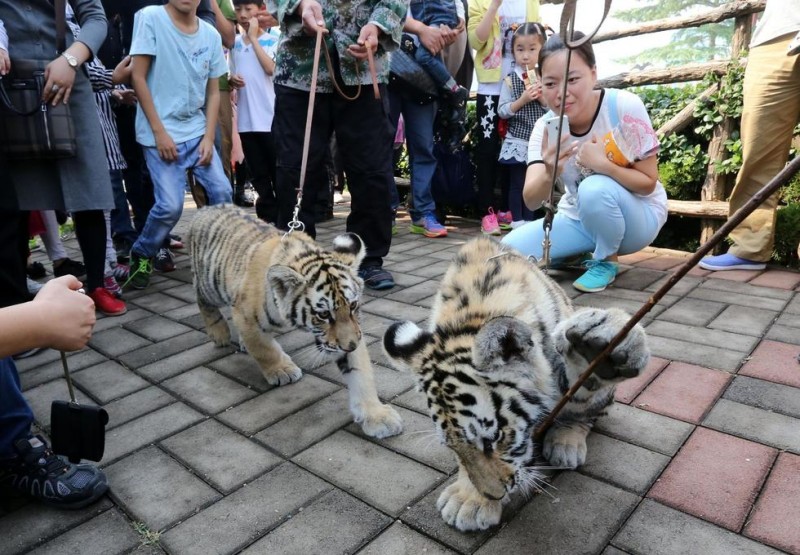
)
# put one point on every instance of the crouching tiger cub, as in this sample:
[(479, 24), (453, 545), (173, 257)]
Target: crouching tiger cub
[(503, 345), (277, 283)]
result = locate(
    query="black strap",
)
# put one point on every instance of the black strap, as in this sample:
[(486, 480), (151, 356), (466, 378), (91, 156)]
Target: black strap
[(61, 25)]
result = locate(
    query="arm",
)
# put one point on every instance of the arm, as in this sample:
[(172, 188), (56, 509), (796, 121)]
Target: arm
[(640, 178), (539, 176), (164, 143), (5, 61), (206, 148), (59, 317), (267, 63), (430, 37), (505, 106), (226, 28), (480, 23), (205, 12)]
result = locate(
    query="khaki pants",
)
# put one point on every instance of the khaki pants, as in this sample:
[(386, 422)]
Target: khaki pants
[(770, 112), (226, 130)]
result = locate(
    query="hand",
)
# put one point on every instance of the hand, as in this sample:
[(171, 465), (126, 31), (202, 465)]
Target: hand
[(311, 14), (367, 39), (125, 97), (568, 149), (432, 39), (531, 93), (592, 156), (206, 151), (496, 4), (461, 27), (5, 62), (166, 146), (122, 73), (253, 31), (236, 81), (59, 77), (449, 35), (67, 315)]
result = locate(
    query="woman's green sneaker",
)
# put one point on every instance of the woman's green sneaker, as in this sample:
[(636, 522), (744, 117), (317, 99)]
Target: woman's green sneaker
[(599, 275), (140, 269)]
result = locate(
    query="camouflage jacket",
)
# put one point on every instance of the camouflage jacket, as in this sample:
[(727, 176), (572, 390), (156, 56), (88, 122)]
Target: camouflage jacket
[(344, 20)]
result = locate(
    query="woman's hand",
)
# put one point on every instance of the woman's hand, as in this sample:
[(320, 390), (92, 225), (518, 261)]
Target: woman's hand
[(568, 149), (122, 73), (432, 39), (59, 77), (125, 97), (67, 315), (5, 62), (592, 156)]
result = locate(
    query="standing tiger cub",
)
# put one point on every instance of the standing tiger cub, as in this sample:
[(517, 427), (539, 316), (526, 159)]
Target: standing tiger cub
[(274, 282), (503, 346)]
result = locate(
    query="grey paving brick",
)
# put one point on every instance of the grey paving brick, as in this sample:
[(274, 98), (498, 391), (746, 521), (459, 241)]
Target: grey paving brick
[(383, 479), (40, 399), (611, 550), (156, 490), (181, 313), (105, 534), (395, 310), (432, 271), (755, 424), (296, 340), (794, 305), (151, 353), (220, 455), (151, 427), (659, 530), (602, 300), (649, 430), (703, 355), (259, 412), (686, 284), (207, 390), (418, 441), (729, 286), (45, 356), (180, 362), (389, 382), (238, 519), (109, 322), (35, 523), (414, 400), (411, 265), (373, 324), (752, 300), (789, 320), (157, 328), (765, 395), (109, 381), (584, 518), (135, 405), (242, 368), (637, 278), (158, 302), (625, 465), (692, 312), (399, 539), (784, 334), (52, 370), (335, 523), (703, 336), (116, 341), (309, 425), (183, 292), (744, 320)]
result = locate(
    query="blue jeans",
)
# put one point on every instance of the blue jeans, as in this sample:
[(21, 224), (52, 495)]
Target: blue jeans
[(169, 183), (612, 221), (16, 416), (121, 226), (433, 13), (419, 139)]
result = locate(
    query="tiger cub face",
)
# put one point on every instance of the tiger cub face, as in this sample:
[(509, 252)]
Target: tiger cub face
[(483, 391), (319, 291)]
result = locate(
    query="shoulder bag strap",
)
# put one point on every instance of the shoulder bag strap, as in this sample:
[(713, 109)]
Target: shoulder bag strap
[(61, 25)]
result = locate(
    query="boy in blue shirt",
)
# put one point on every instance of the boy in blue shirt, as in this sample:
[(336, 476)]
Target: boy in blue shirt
[(176, 62)]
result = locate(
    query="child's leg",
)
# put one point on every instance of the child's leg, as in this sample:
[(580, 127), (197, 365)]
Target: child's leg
[(51, 238), (618, 221), (434, 65), (211, 176)]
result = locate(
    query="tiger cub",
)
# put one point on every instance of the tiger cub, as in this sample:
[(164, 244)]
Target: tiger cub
[(273, 283), (504, 344)]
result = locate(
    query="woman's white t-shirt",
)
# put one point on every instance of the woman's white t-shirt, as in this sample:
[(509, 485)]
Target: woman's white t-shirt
[(630, 112)]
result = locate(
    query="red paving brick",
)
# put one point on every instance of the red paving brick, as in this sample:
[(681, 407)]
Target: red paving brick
[(736, 275), (698, 272), (661, 262), (774, 362), (777, 278), (683, 391), (629, 389), (776, 517), (636, 257), (715, 477)]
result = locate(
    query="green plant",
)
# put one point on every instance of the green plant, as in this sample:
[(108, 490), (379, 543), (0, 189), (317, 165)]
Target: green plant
[(146, 536), (787, 235)]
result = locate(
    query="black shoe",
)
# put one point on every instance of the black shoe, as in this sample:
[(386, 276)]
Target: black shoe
[(41, 474), (36, 270), (164, 261), (376, 278), (242, 201), (69, 266)]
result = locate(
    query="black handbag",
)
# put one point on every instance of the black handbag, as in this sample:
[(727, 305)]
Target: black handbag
[(29, 127), (408, 77)]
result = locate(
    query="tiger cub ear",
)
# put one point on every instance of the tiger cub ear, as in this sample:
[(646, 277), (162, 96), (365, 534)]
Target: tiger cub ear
[(283, 280), (403, 342), (501, 342), (350, 249)]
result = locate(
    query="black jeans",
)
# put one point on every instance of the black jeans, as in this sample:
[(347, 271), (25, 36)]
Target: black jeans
[(487, 169), (259, 155), (364, 138)]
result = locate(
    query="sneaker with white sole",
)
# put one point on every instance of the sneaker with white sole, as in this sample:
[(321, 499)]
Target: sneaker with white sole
[(428, 226), (504, 220), (599, 275), (728, 261)]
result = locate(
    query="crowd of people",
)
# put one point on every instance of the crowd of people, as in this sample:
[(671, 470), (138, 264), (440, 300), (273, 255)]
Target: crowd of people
[(163, 91)]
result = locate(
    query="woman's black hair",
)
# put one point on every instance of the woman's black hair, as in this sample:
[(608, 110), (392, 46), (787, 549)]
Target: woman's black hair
[(555, 44), (531, 28)]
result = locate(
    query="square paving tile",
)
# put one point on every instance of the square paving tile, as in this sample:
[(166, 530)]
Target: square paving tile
[(765, 395), (777, 512), (180, 362), (242, 368), (360, 468), (163, 349), (335, 523), (742, 276), (628, 390), (692, 312), (661, 262), (683, 391), (415, 400), (759, 425), (389, 382), (399, 539), (715, 477), (52, 370), (109, 381), (778, 279), (158, 302), (646, 429), (703, 336), (744, 320), (220, 455), (115, 341), (157, 490), (235, 521), (774, 362), (157, 328), (623, 464), (136, 404), (107, 533), (396, 311), (41, 399), (694, 353), (207, 390)]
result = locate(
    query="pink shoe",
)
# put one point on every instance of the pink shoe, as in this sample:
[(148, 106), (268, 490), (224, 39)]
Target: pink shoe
[(489, 225), (110, 284), (504, 220)]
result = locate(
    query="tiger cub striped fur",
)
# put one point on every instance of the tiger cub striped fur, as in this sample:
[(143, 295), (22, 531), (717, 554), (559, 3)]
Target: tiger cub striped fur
[(504, 344), (274, 283)]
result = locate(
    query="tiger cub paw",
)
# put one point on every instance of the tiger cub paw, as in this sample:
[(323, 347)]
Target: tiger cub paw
[(462, 507), (219, 333), (283, 374), (380, 421), (565, 447)]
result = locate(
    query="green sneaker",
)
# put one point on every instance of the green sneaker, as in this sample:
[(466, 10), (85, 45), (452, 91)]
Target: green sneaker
[(140, 270), (599, 275)]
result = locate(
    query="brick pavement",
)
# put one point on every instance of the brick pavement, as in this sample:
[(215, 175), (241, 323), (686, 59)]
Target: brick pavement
[(700, 454)]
